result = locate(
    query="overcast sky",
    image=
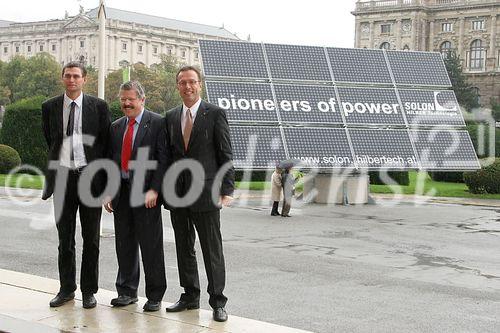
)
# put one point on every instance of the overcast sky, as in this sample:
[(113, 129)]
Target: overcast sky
[(313, 22)]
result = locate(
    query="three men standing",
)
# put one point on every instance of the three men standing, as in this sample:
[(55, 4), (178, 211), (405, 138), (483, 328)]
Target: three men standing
[(68, 121), (138, 225), (196, 132), (199, 131)]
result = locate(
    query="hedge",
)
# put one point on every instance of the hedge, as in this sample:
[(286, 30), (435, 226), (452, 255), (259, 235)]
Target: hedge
[(9, 159), (485, 180), (400, 177), (22, 130), (450, 177)]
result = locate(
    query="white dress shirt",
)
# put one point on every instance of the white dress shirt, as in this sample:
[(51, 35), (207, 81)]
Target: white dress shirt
[(78, 152)]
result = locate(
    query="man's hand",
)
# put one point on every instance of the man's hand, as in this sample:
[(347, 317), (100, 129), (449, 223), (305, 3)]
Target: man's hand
[(107, 204), (225, 200), (151, 197)]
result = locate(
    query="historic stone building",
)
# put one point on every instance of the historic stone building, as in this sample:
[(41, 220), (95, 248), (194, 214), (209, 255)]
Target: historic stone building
[(131, 38), (469, 27)]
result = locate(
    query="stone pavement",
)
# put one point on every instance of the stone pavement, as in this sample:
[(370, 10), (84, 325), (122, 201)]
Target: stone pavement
[(25, 308)]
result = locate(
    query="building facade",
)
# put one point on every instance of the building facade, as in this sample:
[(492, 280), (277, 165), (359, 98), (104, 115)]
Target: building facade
[(471, 28), (130, 38)]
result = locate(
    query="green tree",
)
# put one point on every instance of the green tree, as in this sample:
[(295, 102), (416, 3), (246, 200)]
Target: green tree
[(466, 94), (40, 75)]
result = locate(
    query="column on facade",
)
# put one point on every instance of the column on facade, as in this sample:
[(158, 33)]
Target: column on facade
[(430, 46), (117, 51), (357, 33), (132, 59), (148, 53), (493, 37), (398, 34), (461, 28), (414, 33), (110, 51), (372, 27)]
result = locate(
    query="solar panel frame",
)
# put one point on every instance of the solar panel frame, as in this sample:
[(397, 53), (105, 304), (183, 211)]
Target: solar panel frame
[(217, 90), (252, 65), (265, 136), (335, 156), (391, 141), (418, 73), (462, 155)]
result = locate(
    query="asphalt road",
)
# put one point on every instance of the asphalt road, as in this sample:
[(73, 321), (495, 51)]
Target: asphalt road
[(375, 268)]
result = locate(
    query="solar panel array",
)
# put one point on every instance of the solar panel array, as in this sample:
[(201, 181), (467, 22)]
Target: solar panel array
[(336, 107)]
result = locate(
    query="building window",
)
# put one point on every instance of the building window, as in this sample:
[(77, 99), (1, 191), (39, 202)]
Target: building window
[(445, 49), (124, 46), (155, 49), (196, 55), (385, 28), (406, 48), (385, 46), (447, 27), (82, 44), (169, 51), (41, 47), (139, 48), (29, 48), (5, 49), (478, 25), (17, 49), (183, 53), (477, 55), (53, 47)]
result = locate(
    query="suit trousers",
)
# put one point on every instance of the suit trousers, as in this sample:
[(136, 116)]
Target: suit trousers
[(207, 225), (135, 228), (90, 218)]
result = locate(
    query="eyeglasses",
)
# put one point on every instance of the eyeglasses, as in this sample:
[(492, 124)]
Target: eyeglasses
[(185, 83)]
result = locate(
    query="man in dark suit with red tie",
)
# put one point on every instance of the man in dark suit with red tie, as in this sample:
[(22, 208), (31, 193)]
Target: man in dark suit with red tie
[(138, 225), (68, 121), (198, 132)]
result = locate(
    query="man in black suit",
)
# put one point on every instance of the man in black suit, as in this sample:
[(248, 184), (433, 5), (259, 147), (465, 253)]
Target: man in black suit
[(199, 131), (138, 225), (67, 120)]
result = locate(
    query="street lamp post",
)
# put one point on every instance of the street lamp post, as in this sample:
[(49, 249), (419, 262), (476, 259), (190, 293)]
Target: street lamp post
[(102, 49)]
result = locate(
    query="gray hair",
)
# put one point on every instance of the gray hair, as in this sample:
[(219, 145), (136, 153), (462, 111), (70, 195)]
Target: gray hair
[(134, 85)]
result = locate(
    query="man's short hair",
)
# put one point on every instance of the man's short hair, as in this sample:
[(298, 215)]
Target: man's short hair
[(133, 85), (188, 68), (75, 64)]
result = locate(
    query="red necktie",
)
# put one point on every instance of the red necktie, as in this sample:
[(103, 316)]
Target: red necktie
[(127, 145)]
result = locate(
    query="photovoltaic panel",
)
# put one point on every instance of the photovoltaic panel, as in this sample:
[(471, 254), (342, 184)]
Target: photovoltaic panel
[(246, 102), (256, 147), (379, 149), (296, 62), (418, 68), (370, 106), (359, 66), (429, 107), (307, 104), (319, 147), (233, 59), (445, 149)]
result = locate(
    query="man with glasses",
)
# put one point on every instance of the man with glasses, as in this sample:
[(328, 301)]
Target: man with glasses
[(138, 225), (68, 121), (199, 132)]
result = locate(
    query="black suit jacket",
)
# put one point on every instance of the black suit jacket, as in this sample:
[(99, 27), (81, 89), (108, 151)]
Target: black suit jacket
[(95, 122), (210, 145), (151, 133)]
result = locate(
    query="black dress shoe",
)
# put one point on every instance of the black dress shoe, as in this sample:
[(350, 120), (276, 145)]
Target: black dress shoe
[(60, 299), (150, 306), (183, 305), (123, 300), (89, 301), (220, 314)]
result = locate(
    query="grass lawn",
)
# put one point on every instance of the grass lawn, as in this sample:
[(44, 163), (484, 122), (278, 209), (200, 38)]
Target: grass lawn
[(429, 188), (23, 181)]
